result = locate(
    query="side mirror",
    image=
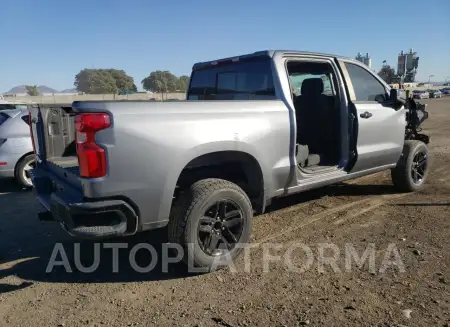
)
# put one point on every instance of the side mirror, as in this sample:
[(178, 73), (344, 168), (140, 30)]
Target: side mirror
[(397, 96)]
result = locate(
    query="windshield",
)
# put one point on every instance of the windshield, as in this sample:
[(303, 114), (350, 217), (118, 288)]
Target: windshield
[(244, 80)]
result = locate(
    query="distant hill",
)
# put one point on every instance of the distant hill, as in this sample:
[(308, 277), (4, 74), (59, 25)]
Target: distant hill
[(46, 89), (69, 91), (22, 89)]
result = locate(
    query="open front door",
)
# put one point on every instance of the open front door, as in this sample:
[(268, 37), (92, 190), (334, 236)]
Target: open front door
[(380, 129)]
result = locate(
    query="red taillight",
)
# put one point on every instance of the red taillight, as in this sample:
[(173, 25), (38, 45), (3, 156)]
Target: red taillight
[(92, 122), (91, 157), (31, 132)]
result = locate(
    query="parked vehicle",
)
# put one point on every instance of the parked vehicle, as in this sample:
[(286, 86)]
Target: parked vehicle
[(242, 138), (16, 150), (126, 92), (445, 90), (435, 93), (420, 94), (8, 105)]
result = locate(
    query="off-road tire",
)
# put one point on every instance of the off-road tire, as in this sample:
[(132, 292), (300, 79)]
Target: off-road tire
[(401, 174), (191, 205), (18, 173)]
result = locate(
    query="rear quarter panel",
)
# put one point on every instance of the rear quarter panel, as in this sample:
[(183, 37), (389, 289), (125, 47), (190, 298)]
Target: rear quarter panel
[(150, 143)]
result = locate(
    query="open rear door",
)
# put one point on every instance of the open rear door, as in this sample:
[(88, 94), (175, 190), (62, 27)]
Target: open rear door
[(379, 128)]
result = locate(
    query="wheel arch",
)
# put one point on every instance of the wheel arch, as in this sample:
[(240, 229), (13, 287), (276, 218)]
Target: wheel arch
[(238, 167), (225, 162)]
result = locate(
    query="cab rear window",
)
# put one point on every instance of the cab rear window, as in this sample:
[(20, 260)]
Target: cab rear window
[(242, 80)]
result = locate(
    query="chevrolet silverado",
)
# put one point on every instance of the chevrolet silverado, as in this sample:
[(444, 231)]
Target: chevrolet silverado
[(252, 128)]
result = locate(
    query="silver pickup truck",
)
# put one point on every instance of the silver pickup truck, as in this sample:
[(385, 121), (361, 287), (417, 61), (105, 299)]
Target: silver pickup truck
[(253, 128)]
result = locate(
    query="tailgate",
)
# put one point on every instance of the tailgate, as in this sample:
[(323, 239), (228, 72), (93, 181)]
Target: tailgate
[(53, 131)]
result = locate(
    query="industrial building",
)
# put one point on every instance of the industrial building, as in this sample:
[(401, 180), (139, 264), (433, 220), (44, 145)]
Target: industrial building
[(366, 60)]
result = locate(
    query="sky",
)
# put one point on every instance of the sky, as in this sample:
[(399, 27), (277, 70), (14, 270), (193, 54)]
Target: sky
[(47, 42)]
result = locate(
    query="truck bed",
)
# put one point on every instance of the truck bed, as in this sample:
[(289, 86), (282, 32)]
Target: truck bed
[(148, 146)]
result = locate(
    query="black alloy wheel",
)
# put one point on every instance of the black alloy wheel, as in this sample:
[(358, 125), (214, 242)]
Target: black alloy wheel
[(220, 228), (419, 167)]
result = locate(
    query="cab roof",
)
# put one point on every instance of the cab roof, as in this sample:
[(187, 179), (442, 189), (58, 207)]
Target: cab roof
[(264, 53)]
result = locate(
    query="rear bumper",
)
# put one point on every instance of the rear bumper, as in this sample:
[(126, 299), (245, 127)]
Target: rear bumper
[(6, 172), (79, 216), (8, 162), (97, 219)]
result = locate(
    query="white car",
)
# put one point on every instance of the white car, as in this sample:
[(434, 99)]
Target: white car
[(10, 105), (419, 94), (16, 147)]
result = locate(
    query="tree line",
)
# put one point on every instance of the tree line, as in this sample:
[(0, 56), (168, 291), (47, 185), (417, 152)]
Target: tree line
[(115, 81), (32, 89), (107, 81), (387, 73)]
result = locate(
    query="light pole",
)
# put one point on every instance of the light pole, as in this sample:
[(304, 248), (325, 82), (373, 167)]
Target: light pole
[(429, 79)]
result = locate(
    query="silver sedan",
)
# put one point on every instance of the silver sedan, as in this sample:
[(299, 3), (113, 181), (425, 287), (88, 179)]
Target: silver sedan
[(418, 94), (16, 148)]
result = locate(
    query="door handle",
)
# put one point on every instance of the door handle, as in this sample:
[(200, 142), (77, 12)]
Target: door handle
[(366, 115)]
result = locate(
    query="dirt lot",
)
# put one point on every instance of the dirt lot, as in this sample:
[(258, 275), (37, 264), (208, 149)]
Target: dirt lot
[(362, 213)]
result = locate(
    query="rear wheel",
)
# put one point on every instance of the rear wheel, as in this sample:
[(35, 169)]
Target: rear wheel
[(412, 169), (23, 168), (211, 220)]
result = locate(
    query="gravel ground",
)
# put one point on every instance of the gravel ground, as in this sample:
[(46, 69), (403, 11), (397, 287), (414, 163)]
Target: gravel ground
[(411, 230)]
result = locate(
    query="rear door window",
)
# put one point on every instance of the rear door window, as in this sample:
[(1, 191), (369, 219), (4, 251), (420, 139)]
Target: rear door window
[(243, 80)]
